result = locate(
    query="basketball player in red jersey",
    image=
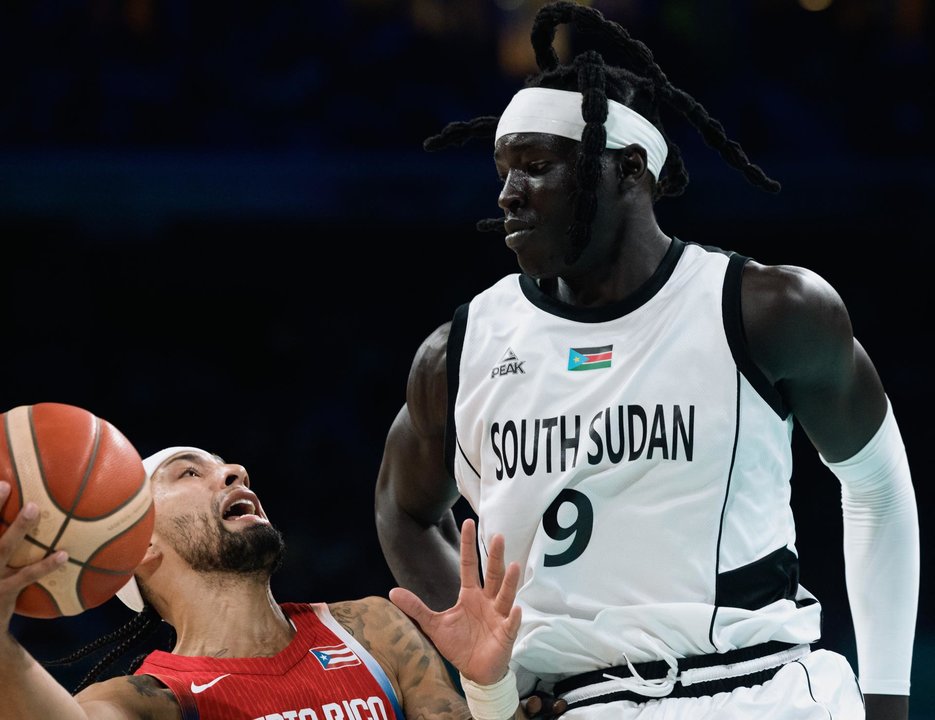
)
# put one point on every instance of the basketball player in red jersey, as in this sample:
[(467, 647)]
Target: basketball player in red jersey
[(241, 654)]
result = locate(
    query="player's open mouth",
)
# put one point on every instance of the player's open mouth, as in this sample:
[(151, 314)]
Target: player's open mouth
[(242, 508)]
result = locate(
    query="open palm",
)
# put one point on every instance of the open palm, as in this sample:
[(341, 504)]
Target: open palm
[(477, 634)]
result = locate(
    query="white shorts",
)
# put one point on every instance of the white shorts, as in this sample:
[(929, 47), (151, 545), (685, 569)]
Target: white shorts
[(820, 686)]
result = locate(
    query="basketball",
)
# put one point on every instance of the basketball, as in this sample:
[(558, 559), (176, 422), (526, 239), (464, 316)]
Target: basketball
[(94, 502)]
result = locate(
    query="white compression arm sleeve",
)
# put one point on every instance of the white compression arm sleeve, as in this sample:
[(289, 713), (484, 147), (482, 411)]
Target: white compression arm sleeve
[(881, 557)]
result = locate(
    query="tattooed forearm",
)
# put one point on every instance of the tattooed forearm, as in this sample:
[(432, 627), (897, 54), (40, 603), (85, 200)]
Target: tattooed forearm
[(441, 710), (426, 690)]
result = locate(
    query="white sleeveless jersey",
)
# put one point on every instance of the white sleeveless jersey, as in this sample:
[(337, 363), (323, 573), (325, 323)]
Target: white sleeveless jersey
[(638, 465)]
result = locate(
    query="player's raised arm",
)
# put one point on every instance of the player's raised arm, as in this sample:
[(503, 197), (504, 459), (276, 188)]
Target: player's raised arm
[(29, 691)]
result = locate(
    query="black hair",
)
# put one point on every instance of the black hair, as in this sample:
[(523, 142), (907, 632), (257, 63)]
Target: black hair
[(121, 641), (639, 83)]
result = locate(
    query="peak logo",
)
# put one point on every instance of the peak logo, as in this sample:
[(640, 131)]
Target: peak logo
[(509, 365)]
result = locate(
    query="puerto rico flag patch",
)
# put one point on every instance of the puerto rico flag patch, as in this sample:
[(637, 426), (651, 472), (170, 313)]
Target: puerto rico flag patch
[(593, 358), (333, 657)]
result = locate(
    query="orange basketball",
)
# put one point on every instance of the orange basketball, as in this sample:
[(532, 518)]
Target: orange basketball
[(94, 502)]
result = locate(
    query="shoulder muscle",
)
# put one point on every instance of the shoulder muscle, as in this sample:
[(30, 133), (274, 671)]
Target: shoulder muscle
[(426, 389), (796, 323), (799, 333)]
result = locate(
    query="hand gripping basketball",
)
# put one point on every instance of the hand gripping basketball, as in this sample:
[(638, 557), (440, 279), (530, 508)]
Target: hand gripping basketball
[(92, 499)]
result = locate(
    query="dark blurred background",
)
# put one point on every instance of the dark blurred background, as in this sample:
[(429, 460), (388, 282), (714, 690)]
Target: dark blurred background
[(219, 228)]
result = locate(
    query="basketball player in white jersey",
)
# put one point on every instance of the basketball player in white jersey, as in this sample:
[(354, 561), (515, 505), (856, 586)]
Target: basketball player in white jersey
[(621, 411)]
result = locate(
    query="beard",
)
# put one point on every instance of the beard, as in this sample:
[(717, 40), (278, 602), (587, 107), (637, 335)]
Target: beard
[(256, 550)]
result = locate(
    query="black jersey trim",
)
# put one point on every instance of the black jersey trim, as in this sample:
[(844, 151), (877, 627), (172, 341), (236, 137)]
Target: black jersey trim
[(720, 527), (604, 313), (773, 577), (737, 338), (452, 368)]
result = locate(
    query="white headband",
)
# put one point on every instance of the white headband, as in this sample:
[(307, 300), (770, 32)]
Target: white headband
[(558, 112), (129, 594)]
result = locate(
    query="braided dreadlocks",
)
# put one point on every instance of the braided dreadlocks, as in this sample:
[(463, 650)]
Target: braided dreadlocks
[(120, 642), (639, 83)]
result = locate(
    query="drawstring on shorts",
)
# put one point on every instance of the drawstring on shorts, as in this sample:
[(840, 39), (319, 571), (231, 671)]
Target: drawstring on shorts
[(698, 676)]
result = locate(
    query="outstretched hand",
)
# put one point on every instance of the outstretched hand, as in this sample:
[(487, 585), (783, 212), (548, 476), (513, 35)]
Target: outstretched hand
[(14, 580), (477, 634)]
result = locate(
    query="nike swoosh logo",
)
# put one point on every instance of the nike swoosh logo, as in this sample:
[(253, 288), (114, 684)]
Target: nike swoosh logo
[(201, 688)]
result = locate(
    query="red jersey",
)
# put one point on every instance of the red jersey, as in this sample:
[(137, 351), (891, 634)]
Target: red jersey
[(323, 674)]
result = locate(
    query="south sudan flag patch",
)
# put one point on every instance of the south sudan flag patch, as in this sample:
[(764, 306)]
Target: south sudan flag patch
[(593, 358)]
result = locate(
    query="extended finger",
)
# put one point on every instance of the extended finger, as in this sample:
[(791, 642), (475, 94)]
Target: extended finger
[(15, 579), (470, 577), (493, 578), (25, 520), (508, 589), (28, 574), (5, 490), (412, 605)]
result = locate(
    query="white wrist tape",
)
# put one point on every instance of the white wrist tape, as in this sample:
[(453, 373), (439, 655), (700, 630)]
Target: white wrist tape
[(492, 702), (881, 555)]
